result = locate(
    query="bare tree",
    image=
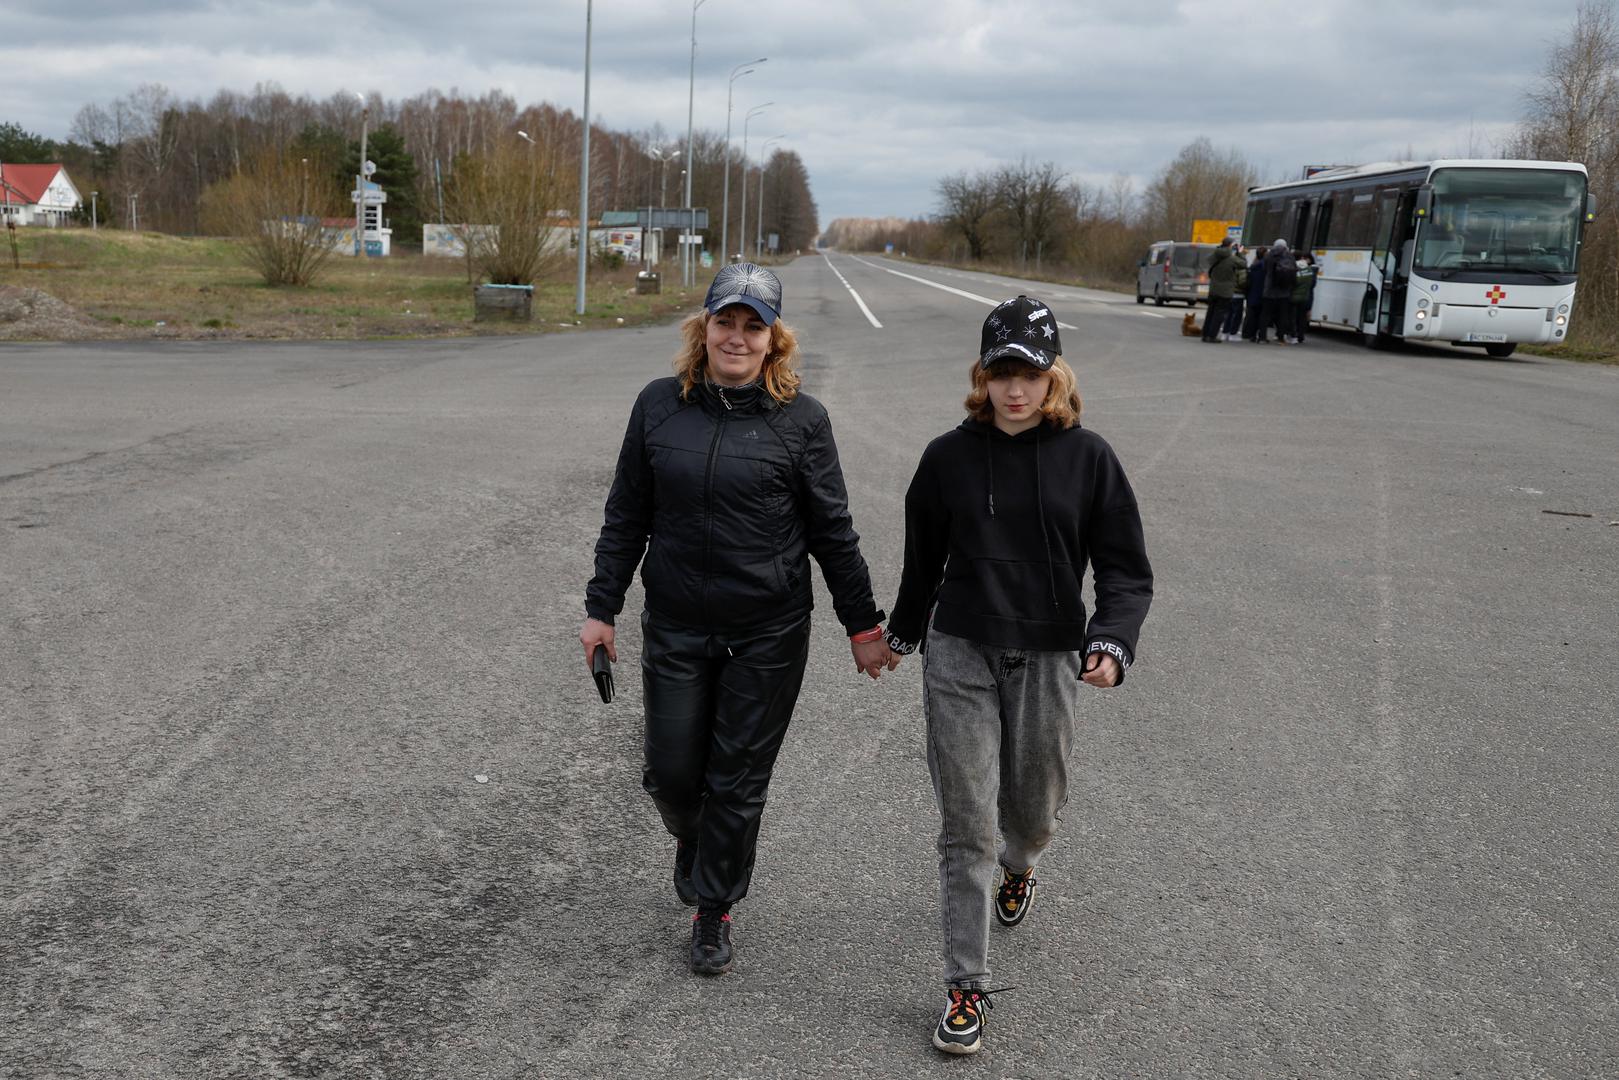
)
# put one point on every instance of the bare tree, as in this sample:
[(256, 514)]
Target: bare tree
[(1201, 182), (503, 201), (276, 207), (1030, 197), (966, 202)]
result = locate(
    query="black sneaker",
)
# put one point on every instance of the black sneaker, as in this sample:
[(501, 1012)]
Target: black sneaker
[(685, 859), (1013, 898), (711, 942), (961, 1028)]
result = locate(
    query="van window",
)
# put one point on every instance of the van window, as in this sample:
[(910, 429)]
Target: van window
[(1193, 258)]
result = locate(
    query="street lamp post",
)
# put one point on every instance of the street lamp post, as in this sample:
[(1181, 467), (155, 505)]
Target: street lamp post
[(584, 175), (662, 156), (691, 100), (526, 137), (94, 225), (759, 235), (303, 193), (742, 224), (725, 203), (359, 186)]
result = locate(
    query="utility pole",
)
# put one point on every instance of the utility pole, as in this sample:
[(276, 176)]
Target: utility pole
[(584, 175), (742, 225), (759, 236), (725, 204), (691, 98)]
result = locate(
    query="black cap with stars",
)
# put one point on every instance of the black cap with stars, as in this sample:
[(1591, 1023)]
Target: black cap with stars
[(1021, 329)]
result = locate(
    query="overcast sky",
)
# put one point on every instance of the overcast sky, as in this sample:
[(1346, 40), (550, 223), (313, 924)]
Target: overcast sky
[(880, 97)]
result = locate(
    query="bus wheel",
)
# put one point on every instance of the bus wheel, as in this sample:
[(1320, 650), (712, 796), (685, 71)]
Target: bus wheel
[(1501, 350)]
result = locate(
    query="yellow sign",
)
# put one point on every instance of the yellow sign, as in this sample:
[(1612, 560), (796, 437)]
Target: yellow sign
[(1205, 231)]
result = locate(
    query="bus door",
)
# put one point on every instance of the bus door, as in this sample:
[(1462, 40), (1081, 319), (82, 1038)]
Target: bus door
[(1395, 217)]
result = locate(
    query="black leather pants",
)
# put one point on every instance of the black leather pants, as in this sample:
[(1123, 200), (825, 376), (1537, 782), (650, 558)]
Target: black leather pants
[(717, 707)]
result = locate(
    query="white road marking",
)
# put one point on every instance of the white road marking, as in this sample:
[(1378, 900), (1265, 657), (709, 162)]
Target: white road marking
[(852, 293), (936, 285)]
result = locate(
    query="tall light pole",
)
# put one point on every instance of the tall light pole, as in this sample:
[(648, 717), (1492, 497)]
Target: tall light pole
[(662, 156), (759, 235), (303, 194), (93, 224), (725, 204), (584, 173), (526, 137), (742, 224), (691, 100), (359, 187)]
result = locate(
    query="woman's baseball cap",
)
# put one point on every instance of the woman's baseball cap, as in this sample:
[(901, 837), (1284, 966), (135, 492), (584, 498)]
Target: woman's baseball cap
[(1020, 329), (745, 283)]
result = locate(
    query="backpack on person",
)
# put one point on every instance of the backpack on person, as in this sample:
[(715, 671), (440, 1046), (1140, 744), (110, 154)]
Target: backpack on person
[(1283, 271)]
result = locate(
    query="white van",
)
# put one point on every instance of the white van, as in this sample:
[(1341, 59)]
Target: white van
[(1173, 270)]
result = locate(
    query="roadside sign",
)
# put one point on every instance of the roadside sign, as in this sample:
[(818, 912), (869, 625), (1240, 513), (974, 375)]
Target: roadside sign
[(1209, 231)]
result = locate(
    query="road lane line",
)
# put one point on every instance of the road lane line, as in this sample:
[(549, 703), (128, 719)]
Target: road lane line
[(937, 285), (852, 293)]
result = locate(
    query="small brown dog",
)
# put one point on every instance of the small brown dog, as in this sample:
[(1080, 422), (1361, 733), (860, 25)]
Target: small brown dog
[(1189, 327)]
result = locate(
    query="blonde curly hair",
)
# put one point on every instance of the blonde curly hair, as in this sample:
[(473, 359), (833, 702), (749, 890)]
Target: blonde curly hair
[(779, 375)]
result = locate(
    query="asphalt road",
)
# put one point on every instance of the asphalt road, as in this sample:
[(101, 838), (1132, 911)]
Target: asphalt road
[(271, 611)]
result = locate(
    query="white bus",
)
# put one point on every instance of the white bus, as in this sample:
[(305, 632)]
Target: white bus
[(1468, 252)]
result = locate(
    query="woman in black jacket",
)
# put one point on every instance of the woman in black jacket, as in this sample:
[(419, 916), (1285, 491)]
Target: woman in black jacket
[(727, 481), (1001, 519)]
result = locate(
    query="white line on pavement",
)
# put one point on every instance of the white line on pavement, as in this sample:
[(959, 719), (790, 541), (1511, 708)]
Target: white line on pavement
[(852, 293), (936, 285)]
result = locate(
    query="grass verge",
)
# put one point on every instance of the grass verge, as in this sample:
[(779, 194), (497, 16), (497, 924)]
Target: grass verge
[(152, 285)]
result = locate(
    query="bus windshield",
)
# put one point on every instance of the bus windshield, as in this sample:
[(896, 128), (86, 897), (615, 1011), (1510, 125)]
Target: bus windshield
[(1503, 219)]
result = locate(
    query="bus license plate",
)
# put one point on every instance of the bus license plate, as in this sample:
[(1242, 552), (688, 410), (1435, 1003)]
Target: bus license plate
[(1486, 337)]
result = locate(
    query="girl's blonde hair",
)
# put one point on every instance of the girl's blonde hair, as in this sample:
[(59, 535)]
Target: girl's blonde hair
[(1062, 402), (778, 376)]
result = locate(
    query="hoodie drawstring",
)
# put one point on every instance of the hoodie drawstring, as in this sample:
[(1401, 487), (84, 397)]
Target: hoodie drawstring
[(989, 466), (1045, 537)]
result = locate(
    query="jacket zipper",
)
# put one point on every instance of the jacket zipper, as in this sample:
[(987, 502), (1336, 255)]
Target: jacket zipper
[(708, 502)]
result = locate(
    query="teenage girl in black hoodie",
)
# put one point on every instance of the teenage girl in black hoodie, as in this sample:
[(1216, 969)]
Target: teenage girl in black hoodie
[(1001, 518)]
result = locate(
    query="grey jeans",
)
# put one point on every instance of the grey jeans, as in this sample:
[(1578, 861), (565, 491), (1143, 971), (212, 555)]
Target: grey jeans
[(1000, 729)]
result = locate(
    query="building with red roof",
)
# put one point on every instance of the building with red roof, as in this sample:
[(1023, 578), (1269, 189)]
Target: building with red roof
[(37, 195)]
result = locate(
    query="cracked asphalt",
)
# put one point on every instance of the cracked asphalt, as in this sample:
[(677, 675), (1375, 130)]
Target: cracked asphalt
[(272, 610)]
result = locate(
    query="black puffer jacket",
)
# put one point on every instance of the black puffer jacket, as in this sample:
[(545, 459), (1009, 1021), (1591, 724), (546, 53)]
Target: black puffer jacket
[(728, 495)]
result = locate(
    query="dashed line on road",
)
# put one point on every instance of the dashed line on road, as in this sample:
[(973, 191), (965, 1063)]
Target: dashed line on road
[(852, 293), (936, 285)]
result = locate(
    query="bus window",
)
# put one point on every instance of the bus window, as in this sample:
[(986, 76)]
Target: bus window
[(1355, 227), (1323, 221)]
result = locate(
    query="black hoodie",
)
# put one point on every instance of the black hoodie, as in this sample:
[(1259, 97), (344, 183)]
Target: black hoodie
[(998, 529)]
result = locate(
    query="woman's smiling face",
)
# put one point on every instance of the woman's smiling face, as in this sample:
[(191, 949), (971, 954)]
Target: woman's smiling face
[(737, 342)]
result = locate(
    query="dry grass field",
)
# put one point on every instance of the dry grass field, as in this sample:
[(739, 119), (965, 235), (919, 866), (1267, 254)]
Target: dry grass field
[(143, 285)]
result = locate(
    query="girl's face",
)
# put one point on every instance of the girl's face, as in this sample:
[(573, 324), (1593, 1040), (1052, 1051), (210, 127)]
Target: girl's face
[(1017, 391), (737, 342)]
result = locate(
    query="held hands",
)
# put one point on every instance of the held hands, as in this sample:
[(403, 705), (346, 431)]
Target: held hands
[(594, 633), (1101, 670), (872, 656)]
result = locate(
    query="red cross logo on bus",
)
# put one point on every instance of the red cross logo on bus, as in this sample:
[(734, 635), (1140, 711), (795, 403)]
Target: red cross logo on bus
[(1496, 295)]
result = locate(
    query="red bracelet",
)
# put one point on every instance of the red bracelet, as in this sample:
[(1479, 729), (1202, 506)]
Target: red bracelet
[(864, 636)]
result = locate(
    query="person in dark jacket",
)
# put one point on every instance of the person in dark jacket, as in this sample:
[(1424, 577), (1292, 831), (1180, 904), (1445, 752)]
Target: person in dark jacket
[(1001, 519), (1277, 309), (1222, 286), (1256, 296), (1303, 294), (727, 482), (1239, 298)]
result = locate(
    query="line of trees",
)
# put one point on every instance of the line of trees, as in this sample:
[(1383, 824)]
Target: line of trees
[(1031, 215), (168, 153)]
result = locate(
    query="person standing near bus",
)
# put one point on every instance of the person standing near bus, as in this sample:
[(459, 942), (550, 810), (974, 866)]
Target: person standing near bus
[(1222, 286), (1277, 309), (1303, 294), (1001, 518), (1256, 296), (1232, 330)]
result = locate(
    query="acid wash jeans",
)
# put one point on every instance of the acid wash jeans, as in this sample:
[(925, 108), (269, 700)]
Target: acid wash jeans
[(1000, 728)]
